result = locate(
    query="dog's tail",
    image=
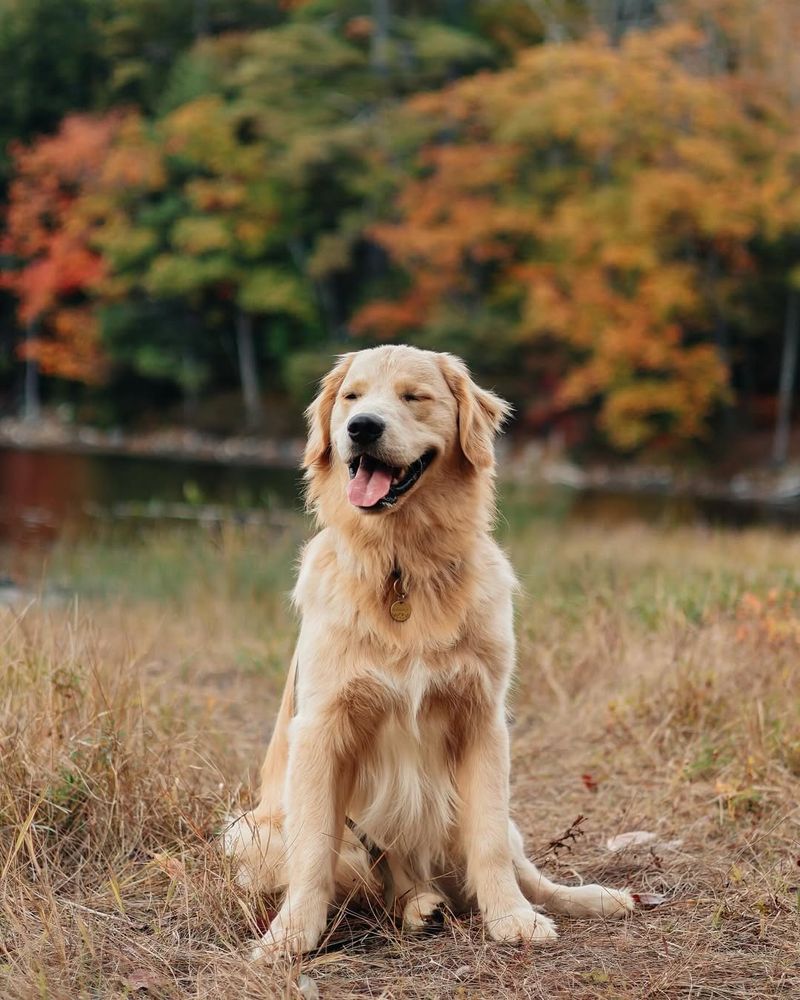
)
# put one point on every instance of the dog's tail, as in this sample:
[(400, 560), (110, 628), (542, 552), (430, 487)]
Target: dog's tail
[(572, 900)]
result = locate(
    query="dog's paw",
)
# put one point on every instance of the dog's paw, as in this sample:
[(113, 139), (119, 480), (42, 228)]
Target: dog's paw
[(598, 901), (424, 912), (289, 935), (522, 925)]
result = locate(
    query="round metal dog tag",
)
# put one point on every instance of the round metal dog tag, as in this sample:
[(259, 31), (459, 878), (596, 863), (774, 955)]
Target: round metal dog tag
[(400, 611)]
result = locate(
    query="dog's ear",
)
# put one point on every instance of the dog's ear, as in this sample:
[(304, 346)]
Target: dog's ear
[(480, 413), (318, 415)]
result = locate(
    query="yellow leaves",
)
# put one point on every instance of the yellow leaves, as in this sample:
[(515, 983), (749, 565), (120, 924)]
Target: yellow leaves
[(709, 156), (251, 235), (273, 290), (200, 234), (134, 160), (205, 132), (123, 244), (197, 127), (332, 253), (179, 274), (625, 255), (217, 194), (612, 197), (680, 204), (627, 413), (668, 292)]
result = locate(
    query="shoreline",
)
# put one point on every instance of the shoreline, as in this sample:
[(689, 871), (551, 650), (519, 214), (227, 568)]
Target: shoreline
[(527, 463), (170, 444)]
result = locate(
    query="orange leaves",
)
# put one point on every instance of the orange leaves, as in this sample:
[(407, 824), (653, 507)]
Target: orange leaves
[(387, 320), (66, 268), (72, 350), (66, 232), (612, 197), (679, 401), (48, 229), (774, 618)]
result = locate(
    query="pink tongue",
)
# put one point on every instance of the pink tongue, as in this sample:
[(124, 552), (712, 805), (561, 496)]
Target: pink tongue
[(367, 487)]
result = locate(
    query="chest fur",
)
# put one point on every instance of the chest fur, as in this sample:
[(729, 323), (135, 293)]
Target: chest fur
[(405, 792)]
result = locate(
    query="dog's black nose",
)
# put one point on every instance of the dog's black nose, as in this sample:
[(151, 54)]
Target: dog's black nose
[(365, 428)]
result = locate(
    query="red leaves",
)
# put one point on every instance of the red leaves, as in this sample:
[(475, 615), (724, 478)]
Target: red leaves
[(589, 783), (48, 232)]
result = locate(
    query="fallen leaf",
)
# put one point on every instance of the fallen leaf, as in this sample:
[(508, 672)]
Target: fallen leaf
[(599, 976), (589, 783)]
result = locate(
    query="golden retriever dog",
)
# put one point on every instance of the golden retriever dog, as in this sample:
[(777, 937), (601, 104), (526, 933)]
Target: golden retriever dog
[(392, 735)]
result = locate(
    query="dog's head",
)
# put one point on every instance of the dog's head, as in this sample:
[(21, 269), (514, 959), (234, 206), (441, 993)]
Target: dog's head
[(392, 418)]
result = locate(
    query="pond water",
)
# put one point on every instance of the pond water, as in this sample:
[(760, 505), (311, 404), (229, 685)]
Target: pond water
[(44, 494)]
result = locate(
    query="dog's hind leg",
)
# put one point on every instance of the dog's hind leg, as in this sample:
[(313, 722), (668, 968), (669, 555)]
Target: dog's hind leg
[(573, 901), (256, 843)]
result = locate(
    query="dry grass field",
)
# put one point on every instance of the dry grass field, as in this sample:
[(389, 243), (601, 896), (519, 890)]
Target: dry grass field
[(658, 691)]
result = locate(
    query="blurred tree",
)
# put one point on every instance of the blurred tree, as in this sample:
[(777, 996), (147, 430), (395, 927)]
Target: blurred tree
[(273, 158), (598, 200), (50, 64), (753, 49), (304, 106), (606, 224), (567, 20), (50, 267), (141, 39)]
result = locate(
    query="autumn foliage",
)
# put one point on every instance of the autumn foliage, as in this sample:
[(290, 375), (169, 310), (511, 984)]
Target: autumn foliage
[(47, 234), (608, 223), (600, 199)]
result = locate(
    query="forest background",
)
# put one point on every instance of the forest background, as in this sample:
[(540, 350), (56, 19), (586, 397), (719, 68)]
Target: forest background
[(595, 202)]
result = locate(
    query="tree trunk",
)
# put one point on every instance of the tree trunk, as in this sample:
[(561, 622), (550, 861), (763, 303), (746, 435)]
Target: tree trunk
[(553, 20), (200, 18), (248, 372), (791, 336), (31, 401), (722, 337), (379, 49)]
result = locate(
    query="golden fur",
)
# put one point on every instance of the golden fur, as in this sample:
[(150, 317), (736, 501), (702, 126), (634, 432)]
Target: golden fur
[(400, 726)]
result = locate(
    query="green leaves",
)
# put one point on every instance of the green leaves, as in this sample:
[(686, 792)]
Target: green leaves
[(272, 290)]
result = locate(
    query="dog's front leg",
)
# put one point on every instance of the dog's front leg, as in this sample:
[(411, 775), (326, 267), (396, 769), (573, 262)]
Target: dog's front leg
[(483, 787), (316, 792)]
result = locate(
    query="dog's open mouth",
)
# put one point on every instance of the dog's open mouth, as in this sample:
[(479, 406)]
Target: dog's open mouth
[(375, 486)]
